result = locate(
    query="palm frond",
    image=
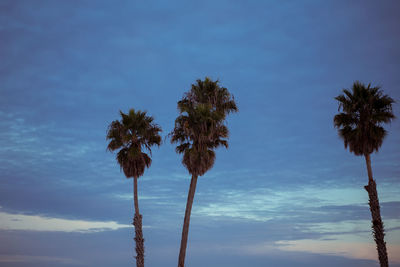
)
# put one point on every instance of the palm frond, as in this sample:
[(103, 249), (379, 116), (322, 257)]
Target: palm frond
[(133, 134), (200, 126), (364, 110)]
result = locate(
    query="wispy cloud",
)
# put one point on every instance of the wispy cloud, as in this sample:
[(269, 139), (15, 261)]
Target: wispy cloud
[(352, 239), (351, 245), (41, 223), (358, 250), (349, 226), (348, 246), (262, 203)]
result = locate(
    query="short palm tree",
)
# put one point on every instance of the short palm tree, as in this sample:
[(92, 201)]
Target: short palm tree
[(365, 110), (198, 131), (131, 136)]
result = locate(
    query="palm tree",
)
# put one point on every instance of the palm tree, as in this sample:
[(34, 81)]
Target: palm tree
[(365, 110), (133, 134), (198, 131)]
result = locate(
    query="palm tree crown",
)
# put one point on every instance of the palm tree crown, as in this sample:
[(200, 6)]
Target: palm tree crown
[(365, 109), (134, 133), (200, 127)]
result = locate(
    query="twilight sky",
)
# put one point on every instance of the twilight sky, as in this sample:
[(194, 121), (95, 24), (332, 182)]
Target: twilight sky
[(286, 192)]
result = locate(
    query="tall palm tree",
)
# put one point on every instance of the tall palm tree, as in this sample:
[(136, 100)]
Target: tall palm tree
[(132, 135), (365, 110), (198, 131)]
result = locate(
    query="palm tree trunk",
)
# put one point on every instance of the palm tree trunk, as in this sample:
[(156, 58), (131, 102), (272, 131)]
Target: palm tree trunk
[(377, 225), (186, 221), (137, 223)]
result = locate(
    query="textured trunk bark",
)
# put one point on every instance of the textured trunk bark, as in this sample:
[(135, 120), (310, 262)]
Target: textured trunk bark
[(377, 225), (186, 221), (137, 223)]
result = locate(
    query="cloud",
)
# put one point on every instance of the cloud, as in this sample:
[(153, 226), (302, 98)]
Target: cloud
[(340, 247), (41, 223), (353, 245), (351, 239), (262, 204), (358, 250), (349, 227)]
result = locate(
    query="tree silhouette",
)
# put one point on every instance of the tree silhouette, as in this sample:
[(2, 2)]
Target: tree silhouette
[(198, 131), (365, 110), (133, 134)]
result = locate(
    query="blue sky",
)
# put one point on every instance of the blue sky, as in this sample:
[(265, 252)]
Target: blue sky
[(285, 193)]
